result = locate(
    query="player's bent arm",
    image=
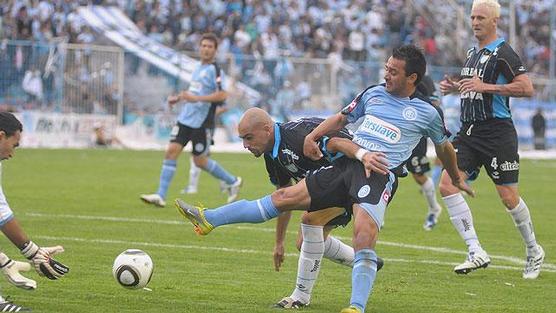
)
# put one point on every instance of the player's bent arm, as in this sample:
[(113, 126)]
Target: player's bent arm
[(521, 86), (343, 145), (218, 96), (446, 153), (282, 222), (331, 124), (373, 161)]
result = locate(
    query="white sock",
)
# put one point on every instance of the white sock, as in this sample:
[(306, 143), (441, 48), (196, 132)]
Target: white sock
[(194, 174), (430, 194), (461, 218), (338, 252), (522, 220), (310, 259)]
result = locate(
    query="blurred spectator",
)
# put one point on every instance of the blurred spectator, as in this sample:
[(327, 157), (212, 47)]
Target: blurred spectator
[(102, 140), (538, 123), (32, 85), (283, 103)]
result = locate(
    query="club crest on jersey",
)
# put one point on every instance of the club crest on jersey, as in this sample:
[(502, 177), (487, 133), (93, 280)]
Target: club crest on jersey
[(484, 58), (364, 191), (409, 113), (380, 129)]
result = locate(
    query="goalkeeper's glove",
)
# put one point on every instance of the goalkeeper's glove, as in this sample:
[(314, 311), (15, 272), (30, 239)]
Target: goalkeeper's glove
[(11, 270), (41, 258)]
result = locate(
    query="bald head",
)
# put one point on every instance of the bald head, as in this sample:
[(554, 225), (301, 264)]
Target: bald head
[(255, 117), (256, 129)]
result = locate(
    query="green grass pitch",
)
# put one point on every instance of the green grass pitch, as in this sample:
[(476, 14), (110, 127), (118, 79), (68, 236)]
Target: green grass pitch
[(88, 201)]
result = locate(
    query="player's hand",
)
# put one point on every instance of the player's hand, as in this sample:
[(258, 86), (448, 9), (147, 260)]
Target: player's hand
[(173, 99), (463, 186), (12, 269), (448, 85), (375, 162), (474, 84), (311, 149), (42, 260), (279, 256)]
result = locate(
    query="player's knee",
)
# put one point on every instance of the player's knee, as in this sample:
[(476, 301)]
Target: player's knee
[(510, 201), (310, 219), (446, 187), (283, 198), (364, 239), (200, 161)]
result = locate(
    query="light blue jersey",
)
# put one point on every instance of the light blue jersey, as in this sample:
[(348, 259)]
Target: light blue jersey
[(393, 125), (451, 106), (203, 82)]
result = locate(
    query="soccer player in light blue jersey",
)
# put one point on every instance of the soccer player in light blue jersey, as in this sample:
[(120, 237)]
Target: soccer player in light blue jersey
[(366, 181), (194, 124)]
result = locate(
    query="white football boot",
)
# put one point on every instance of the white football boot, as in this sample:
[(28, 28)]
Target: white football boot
[(155, 199), (533, 265), (475, 260)]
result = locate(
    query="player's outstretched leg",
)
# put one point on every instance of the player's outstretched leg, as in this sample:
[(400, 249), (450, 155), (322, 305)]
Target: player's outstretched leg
[(243, 211), (196, 216)]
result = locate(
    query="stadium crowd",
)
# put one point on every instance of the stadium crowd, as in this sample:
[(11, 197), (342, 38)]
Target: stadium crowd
[(360, 30)]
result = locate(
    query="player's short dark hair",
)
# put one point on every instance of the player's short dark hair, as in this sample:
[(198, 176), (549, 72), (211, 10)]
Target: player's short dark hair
[(414, 60), (212, 37), (9, 124)]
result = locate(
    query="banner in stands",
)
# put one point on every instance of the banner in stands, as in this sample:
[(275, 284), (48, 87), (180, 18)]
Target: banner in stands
[(57, 130), (117, 27)]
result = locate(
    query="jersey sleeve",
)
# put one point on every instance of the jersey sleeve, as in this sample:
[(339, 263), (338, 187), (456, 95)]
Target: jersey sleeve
[(355, 109), (436, 130), (277, 175), (6, 213), (509, 64)]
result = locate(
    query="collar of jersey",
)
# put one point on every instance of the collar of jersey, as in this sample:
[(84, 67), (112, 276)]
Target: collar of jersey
[(491, 46), (277, 139)]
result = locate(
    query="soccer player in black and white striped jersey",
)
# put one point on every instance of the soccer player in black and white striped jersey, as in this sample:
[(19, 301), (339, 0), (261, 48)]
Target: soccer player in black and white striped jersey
[(492, 73)]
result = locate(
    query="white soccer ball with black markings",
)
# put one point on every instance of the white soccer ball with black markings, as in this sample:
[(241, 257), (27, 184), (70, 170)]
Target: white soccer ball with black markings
[(133, 269)]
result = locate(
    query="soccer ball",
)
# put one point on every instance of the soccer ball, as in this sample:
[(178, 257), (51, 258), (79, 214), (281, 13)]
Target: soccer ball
[(133, 269)]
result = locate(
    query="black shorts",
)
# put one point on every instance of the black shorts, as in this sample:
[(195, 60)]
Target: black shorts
[(418, 163), (340, 220), (345, 183), (492, 144), (201, 138)]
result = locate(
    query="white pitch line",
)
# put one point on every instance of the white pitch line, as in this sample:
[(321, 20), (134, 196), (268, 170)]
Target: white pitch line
[(251, 251), (444, 250)]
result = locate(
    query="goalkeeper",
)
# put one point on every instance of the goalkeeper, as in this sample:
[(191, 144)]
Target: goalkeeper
[(40, 258)]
